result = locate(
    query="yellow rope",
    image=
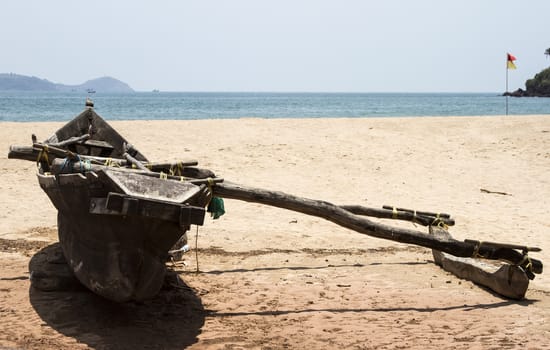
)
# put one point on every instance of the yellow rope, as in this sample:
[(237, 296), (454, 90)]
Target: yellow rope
[(442, 224), (476, 254), (43, 155), (394, 213), (163, 176), (176, 169), (110, 162), (529, 266), (210, 182)]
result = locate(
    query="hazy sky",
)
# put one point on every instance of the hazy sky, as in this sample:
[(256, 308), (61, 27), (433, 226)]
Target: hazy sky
[(282, 45)]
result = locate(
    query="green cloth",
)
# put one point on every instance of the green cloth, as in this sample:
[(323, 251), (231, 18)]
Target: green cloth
[(216, 208)]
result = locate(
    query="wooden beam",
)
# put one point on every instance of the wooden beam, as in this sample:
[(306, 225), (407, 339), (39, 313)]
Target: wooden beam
[(396, 214), (508, 280), (362, 225)]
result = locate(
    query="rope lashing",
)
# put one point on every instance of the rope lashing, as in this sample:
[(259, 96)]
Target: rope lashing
[(111, 163), (176, 169), (85, 165), (210, 182), (477, 247), (438, 221), (43, 155), (65, 162), (529, 265)]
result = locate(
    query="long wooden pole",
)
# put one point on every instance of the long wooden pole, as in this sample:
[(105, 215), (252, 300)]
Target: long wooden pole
[(362, 225)]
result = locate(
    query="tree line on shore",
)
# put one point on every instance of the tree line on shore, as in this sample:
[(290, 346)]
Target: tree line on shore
[(538, 86)]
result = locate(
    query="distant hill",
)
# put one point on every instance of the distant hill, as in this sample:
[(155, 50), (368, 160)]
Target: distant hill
[(539, 86), (16, 82)]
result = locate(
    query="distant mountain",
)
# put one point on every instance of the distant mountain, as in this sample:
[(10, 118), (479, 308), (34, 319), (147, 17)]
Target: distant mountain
[(103, 84), (16, 82)]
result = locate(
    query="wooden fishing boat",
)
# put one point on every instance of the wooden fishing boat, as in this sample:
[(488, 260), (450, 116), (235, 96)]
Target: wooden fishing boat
[(121, 216), (115, 227)]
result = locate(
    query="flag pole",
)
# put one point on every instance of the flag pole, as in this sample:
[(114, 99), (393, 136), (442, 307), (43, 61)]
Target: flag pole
[(509, 65), (506, 91)]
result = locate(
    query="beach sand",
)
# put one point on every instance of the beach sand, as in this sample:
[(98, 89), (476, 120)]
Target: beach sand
[(274, 279)]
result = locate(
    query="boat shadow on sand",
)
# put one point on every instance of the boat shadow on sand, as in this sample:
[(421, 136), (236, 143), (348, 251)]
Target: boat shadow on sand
[(172, 319)]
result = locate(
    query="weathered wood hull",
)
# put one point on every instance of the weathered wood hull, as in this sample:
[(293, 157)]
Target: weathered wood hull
[(508, 280), (120, 257), (114, 228)]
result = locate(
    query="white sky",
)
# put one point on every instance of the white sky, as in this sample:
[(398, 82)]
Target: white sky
[(279, 45)]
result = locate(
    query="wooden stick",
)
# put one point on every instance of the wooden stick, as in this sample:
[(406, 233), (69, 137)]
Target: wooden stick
[(424, 220), (507, 245), (62, 166), (418, 212), (494, 192), (23, 153), (133, 160), (159, 165), (71, 141), (31, 154), (362, 225)]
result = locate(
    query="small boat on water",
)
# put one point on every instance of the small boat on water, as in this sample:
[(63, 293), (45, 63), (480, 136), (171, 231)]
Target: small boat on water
[(115, 226)]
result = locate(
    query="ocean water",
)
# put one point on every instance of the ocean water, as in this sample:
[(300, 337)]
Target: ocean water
[(51, 106)]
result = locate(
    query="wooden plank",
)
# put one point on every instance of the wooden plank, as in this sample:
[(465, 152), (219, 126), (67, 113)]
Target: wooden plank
[(123, 205)]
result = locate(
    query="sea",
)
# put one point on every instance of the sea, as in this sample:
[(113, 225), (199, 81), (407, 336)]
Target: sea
[(55, 106)]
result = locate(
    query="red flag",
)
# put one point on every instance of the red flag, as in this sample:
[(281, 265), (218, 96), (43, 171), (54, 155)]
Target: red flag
[(510, 61)]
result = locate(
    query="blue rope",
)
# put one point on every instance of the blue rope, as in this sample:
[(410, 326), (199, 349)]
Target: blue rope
[(79, 162), (64, 164)]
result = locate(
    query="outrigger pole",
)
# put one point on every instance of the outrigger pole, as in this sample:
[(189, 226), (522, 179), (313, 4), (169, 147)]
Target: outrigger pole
[(346, 218)]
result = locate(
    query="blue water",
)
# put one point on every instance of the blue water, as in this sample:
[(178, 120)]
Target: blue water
[(51, 106)]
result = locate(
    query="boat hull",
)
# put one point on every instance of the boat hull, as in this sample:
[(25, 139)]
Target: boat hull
[(120, 257)]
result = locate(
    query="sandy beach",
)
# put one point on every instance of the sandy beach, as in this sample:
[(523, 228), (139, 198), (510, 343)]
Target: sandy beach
[(276, 279)]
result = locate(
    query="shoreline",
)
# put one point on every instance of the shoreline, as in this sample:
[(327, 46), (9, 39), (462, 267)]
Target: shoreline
[(537, 115)]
